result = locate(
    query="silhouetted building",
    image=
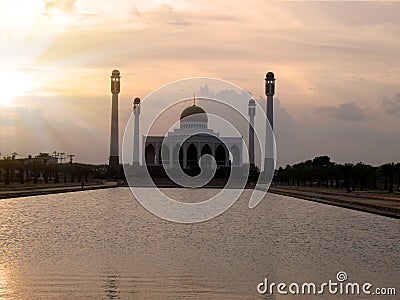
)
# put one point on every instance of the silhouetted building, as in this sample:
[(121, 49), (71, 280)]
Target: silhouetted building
[(269, 141), (252, 113), (26, 167), (114, 144), (136, 112), (202, 140)]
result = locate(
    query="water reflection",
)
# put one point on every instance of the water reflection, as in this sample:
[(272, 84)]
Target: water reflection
[(111, 287), (6, 286), (104, 245)]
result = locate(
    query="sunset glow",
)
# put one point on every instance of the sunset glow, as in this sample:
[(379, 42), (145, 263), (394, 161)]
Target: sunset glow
[(56, 57), (14, 85)]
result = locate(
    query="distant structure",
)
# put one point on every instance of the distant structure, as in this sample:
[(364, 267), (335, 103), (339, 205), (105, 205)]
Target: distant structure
[(202, 140), (270, 92), (252, 113), (269, 140), (29, 168), (114, 148), (71, 157), (136, 112)]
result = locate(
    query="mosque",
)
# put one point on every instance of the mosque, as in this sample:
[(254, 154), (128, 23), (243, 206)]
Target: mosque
[(184, 146), (201, 140)]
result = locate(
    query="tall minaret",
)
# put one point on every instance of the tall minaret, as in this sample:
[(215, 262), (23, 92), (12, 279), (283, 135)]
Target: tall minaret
[(269, 139), (270, 92), (252, 113), (114, 147), (136, 112)]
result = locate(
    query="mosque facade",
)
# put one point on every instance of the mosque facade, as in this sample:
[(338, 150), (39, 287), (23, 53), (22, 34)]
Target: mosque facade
[(185, 145)]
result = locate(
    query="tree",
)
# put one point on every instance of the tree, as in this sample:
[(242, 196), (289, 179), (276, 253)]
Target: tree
[(397, 167), (361, 174), (327, 173), (7, 167), (36, 167), (21, 170), (336, 173), (321, 164), (388, 171), (347, 171)]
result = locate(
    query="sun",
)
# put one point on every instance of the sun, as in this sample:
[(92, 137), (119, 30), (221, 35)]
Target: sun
[(12, 85)]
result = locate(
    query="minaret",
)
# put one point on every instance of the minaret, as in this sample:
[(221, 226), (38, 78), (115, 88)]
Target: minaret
[(114, 148), (269, 140), (136, 112), (252, 113)]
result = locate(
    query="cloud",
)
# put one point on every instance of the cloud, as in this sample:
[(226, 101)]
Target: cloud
[(392, 106), (299, 138), (165, 14), (180, 22), (360, 13), (216, 43), (345, 112), (6, 118), (168, 14), (30, 131), (64, 5)]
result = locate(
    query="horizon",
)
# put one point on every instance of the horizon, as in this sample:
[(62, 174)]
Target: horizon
[(337, 90)]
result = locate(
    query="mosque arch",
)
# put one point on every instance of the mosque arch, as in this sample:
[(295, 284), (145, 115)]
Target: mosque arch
[(206, 149), (220, 155), (150, 154), (192, 156)]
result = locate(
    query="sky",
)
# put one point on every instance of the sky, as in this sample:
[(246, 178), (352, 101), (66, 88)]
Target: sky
[(337, 67)]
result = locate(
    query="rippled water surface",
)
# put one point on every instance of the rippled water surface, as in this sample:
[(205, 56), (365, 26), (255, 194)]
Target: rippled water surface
[(104, 245)]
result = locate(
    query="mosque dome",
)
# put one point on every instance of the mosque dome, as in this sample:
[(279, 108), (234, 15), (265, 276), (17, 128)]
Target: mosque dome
[(194, 113)]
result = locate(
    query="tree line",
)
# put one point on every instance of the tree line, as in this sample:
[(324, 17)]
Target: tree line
[(33, 170), (322, 172)]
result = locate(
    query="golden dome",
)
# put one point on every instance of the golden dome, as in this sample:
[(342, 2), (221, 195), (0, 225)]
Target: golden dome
[(194, 113)]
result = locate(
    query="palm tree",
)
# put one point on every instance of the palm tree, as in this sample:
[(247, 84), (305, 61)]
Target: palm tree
[(7, 166), (347, 171), (36, 167), (336, 174), (21, 170), (361, 173), (388, 171), (374, 171), (321, 164)]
